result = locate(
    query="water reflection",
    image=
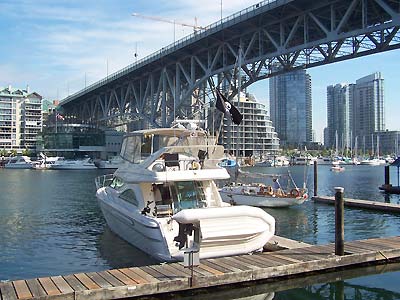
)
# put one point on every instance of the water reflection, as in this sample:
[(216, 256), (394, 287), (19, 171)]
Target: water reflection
[(120, 254)]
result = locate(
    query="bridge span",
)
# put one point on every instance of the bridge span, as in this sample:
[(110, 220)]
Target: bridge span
[(274, 37)]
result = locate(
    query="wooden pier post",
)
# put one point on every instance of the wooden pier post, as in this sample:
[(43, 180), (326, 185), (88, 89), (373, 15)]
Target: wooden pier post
[(315, 178), (387, 176), (339, 221)]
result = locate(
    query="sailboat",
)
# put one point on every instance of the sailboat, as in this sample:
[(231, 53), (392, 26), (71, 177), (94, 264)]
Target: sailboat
[(269, 191)]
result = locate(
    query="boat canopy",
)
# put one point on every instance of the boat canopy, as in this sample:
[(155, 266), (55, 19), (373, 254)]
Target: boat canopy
[(139, 145)]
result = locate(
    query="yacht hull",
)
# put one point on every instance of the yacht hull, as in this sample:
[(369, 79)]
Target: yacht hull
[(225, 231), (260, 201)]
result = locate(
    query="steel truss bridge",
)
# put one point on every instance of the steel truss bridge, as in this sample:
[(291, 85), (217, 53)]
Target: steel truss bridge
[(274, 37)]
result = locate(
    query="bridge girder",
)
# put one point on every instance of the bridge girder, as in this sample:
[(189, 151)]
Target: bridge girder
[(275, 37)]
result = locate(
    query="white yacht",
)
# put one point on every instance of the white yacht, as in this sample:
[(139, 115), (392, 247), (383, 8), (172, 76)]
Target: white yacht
[(19, 162), (75, 164), (164, 201), (47, 162)]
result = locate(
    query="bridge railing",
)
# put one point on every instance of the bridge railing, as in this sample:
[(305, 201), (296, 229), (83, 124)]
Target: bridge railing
[(227, 21)]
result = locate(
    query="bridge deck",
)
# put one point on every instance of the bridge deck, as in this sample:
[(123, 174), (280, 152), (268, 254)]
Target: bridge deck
[(173, 277)]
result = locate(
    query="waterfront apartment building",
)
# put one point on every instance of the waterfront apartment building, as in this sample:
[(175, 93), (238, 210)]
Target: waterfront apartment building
[(257, 136), (291, 107), (339, 100), (20, 118), (368, 108), (355, 111)]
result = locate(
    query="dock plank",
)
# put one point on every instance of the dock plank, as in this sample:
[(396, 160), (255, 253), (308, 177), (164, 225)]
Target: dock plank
[(7, 291), (86, 281), (242, 265), (74, 283), (210, 269), (223, 263), (299, 254), (144, 275), (111, 279), (134, 276), (260, 261), (168, 272), (244, 261), (35, 288), (21, 289), (122, 277), (62, 285), (215, 266), (177, 272), (49, 286), (154, 273), (100, 281), (196, 271), (378, 245)]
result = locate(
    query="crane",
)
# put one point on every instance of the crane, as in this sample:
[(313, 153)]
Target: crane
[(195, 26)]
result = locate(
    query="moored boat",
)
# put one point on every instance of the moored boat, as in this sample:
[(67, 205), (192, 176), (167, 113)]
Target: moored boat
[(75, 164), (337, 168), (265, 195), (163, 198), (19, 162)]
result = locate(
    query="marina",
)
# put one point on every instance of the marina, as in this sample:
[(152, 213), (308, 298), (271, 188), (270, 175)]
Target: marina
[(169, 217), (56, 223)]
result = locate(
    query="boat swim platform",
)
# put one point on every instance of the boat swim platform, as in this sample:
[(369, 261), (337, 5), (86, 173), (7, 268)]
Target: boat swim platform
[(363, 204), (273, 267)]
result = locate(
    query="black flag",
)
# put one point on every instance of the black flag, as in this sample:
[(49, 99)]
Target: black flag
[(225, 106)]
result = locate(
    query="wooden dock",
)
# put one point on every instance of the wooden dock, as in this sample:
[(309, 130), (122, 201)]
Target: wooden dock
[(174, 277), (364, 204)]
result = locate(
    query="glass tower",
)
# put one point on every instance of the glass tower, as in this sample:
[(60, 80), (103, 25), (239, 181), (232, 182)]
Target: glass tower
[(291, 107)]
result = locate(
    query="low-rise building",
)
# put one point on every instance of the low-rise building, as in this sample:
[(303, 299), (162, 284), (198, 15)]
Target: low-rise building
[(20, 119)]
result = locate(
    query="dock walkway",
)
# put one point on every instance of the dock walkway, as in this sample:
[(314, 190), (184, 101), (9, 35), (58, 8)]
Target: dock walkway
[(364, 204), (173, 277)]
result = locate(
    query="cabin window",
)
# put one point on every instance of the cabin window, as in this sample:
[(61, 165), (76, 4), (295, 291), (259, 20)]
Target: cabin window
[(188, 194), (129, 196)]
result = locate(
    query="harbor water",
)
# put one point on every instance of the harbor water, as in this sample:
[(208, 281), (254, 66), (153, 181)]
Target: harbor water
[(51, 224)]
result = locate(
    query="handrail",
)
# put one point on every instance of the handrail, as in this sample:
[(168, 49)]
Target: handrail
[(163, 51)]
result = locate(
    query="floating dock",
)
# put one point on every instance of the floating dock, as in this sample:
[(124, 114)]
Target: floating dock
[(364, 204), (300, 261)]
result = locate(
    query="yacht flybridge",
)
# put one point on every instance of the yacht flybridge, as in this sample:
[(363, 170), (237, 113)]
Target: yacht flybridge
[(163, 199)]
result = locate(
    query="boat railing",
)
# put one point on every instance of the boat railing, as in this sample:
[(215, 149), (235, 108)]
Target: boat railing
[(186, 158), (104, 180)]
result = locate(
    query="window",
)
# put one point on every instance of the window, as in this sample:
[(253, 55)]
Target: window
[(116, 183), (129, 196), (187, 195)]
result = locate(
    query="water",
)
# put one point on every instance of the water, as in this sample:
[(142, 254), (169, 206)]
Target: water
[(51, 224)]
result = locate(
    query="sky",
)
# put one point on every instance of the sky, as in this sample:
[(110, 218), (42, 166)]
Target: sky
[(58, 47)]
